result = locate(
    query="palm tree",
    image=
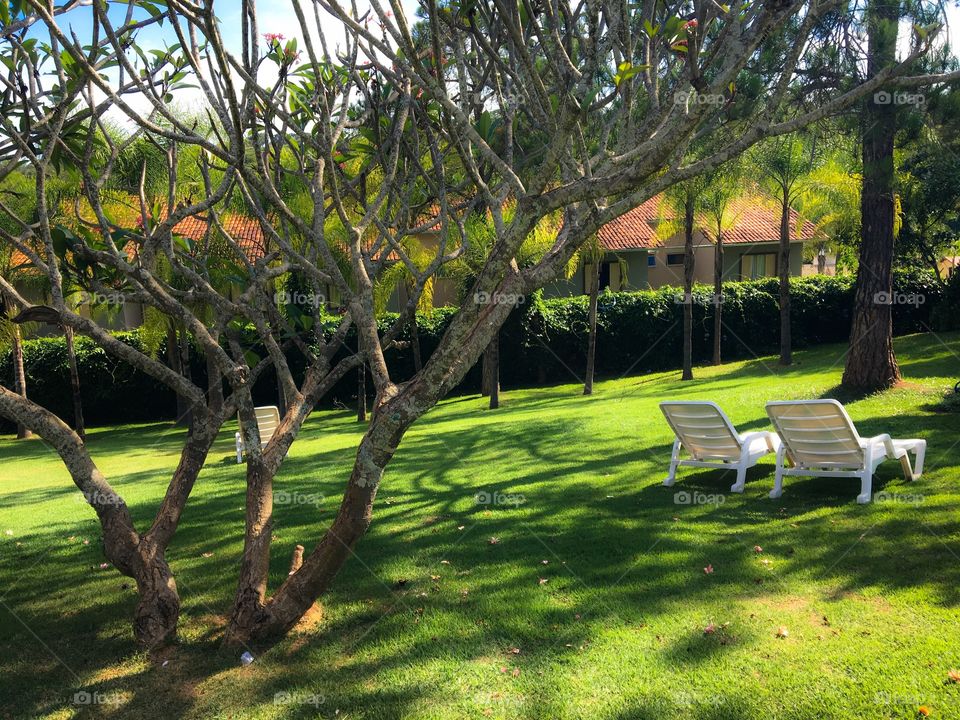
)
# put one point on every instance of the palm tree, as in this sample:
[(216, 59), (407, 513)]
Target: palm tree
[(830, 199), (589, 257), (678, 213), (14, 268), (720, 213), (783, 165)]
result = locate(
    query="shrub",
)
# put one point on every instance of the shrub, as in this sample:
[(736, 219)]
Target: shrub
[(543, 341)]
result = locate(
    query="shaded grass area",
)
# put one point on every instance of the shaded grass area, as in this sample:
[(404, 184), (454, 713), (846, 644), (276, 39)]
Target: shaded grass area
[(576, 590)]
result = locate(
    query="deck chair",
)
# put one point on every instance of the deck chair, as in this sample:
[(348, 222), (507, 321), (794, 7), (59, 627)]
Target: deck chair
[(268, 418), (819, 439), (707, 434)]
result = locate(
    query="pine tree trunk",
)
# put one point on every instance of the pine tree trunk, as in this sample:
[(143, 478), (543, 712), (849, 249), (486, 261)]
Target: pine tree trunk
[(19, 377), (592, 336), (783, 270), (74, 383), (871, 364), (717, 298), (688, 269)]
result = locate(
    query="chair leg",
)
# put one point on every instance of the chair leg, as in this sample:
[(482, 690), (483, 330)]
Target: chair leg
[(866, 486), (778, 478), (738, 486), (674, 461), (905, 466), (918, 453)]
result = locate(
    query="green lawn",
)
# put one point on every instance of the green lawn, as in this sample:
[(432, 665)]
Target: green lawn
[(587, 600)]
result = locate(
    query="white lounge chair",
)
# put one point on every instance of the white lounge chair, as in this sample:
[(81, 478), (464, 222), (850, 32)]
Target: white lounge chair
[(268, 418), (712, 441), (819, 439)]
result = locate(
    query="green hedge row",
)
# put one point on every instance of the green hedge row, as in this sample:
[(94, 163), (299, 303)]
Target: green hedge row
[(543, 341)]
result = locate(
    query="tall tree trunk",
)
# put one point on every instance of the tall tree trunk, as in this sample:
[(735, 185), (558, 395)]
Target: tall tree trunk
[(19, 377), (688, 269), (362, 393), (214, 386), (717, 297), (415, 342), (592, 336), (783, 270), (485, 374), (174, 360), (74, 383), (186, 419), (492, 366), (871, 364)]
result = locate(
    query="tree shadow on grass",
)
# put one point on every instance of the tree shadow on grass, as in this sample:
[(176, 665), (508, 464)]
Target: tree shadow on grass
[(594, 511)]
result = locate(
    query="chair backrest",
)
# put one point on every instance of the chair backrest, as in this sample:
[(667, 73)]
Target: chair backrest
[(268, 419), (703, 428), (817, 433)]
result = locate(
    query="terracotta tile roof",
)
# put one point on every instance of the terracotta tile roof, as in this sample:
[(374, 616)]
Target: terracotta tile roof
[(245, 231), (756, 221)]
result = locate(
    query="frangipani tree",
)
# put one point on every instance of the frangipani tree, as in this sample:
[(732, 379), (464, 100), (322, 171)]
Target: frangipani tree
[(615, 91)]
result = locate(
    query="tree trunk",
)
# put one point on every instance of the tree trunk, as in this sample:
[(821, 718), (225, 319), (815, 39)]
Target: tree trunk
[(783, 270), (214, 386), (362, 393), (592, 336), (485, 375), (717, 297), (871, 364), (186, 420), (174, 360), (688, 270), (821, 263), (253, 619), (492, 366), (74, 382), (415, 342), (158, 608), (19, 378)]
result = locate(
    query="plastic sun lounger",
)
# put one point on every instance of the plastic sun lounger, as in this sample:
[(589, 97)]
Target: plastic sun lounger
[(819, 439), (712, 441), (268, 418)]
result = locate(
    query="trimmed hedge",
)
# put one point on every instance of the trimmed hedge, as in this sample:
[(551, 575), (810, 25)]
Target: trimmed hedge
[(543, 341)]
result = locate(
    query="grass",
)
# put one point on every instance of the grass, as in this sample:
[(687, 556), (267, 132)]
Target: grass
[(588, 599)]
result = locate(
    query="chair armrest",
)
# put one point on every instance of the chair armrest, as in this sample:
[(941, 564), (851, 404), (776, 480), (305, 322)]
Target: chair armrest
[(885, 440), (765, 435)]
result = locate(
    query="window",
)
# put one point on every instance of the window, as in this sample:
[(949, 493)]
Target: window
[(758, 266), (651, 260), (674, 258)]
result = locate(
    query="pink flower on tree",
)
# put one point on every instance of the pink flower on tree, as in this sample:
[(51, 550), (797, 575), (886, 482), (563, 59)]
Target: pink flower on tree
[(273, 37)]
